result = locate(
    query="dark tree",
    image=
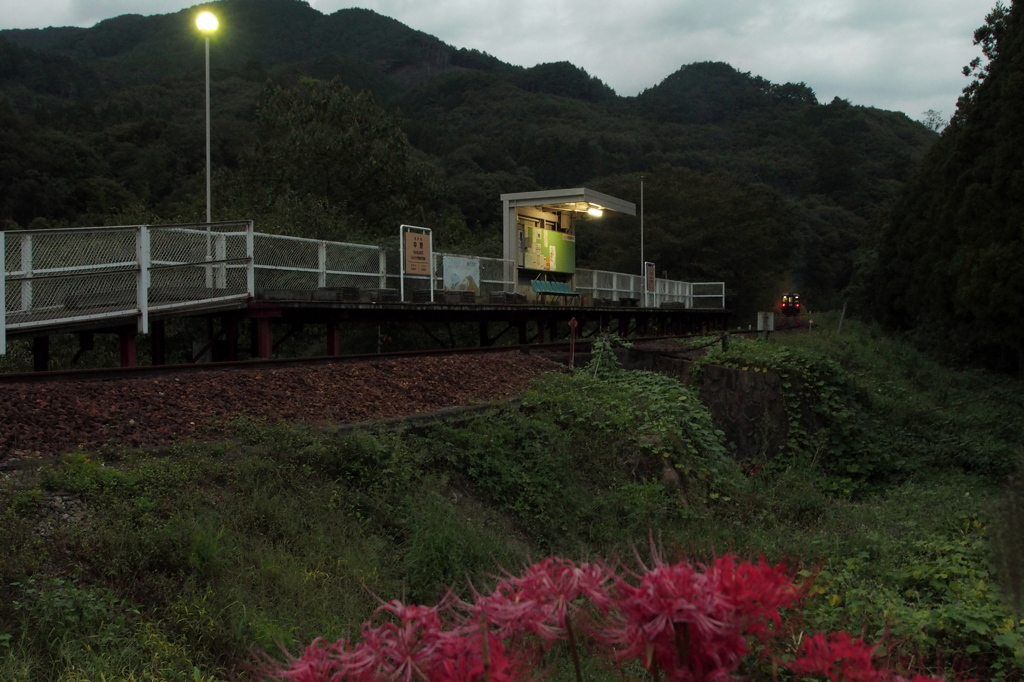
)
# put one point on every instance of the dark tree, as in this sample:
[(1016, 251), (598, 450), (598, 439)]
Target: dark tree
[(951, 258)]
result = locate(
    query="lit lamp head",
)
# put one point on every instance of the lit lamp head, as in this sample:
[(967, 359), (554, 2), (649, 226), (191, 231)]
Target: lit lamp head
[(206, 22), (595, 211)]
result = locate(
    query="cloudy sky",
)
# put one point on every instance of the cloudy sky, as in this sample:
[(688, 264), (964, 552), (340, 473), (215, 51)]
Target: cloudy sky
[(903, 55)]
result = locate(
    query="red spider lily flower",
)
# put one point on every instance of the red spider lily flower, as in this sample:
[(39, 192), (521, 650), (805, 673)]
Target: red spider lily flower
[(475, 658), (756, 592), (321, 661), (405, 650), (541, 600), (839, 657), (693, 622), (675, 619)]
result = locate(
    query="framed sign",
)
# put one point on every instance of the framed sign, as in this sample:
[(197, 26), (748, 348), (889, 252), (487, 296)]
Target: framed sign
[(652, 284), (416, 258), (417, 253)]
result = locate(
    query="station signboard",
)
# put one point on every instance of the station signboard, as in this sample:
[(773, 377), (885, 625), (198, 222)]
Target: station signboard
[(417, 253)]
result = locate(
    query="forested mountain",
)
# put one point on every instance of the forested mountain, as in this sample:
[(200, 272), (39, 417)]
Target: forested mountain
[(105, 125), (951, 259)]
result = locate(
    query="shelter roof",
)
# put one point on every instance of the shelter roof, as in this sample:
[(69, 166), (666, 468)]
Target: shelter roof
[(579, 199)]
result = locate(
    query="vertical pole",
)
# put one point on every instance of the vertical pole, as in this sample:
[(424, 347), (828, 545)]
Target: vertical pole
[(321, 275), (26, 272), (142, 281), (333, 339), (642, 259), (401, 268), (250, 273), (158, 342), (41, 353), (127, 347), (264, 338), (209, 214), (220, 252), (3, 295), (230, 326)]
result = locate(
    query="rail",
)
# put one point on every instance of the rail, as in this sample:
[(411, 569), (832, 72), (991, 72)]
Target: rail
[(65, 276)]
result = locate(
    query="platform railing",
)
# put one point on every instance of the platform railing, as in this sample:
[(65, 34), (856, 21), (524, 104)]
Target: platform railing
[(64, 276), (67, 276)]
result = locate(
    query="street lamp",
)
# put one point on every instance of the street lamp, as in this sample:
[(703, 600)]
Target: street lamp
[(207, 23), (643, 263)]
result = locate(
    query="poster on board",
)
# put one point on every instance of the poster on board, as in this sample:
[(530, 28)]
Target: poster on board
[(461, 274), (548, 250), (652, 284)]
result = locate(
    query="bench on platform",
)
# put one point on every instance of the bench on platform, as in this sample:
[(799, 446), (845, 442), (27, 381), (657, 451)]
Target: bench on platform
[(553, 289)]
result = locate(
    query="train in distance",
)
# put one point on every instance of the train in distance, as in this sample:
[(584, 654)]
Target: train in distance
[(791, 304)]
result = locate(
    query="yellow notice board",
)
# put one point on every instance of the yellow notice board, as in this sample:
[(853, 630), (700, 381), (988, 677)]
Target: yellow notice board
[(417, 253)]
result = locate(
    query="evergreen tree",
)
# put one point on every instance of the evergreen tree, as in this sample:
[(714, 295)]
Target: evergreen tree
[(951, 258)]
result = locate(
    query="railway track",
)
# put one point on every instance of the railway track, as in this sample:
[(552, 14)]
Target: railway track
[(142, 371), (582, 346)]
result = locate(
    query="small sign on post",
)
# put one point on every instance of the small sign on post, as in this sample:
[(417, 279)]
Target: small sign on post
[(416, 257), (651, 284), (417, 253)]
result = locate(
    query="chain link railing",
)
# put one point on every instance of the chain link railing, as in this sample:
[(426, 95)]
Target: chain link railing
[(615, 286), (298, 263), (495, 275), (54, 277), (708, 294), (62, 276)]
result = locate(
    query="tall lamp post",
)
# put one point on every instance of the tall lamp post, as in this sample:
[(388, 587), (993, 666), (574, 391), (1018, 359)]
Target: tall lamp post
[(207, 23), (643, 262)]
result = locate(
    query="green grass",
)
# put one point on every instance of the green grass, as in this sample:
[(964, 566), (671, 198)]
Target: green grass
[(184, 563)]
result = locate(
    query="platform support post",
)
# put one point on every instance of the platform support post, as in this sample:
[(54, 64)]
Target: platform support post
[(158, 341), (41, 353), (264, 337), (128, 346), (333, 339), (230, 326)]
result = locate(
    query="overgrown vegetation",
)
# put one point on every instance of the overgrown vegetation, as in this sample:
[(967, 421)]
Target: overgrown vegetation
[(174, 567)]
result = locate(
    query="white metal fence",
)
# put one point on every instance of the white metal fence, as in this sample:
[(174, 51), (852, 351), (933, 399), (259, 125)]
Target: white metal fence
[(57, 277), (613, 286), (64, 276)]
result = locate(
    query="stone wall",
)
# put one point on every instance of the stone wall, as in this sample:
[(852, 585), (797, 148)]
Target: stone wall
[(747, 406)]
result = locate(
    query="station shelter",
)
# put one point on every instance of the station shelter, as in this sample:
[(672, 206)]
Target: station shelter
[(539, 234)]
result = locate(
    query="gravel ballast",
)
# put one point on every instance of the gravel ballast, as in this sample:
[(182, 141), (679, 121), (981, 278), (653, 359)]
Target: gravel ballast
[(41, 420)]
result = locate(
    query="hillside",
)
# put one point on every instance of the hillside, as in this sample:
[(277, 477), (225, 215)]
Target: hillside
[(876, 487), (109, 124)]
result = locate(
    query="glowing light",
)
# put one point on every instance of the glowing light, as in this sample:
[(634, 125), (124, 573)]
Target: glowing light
[(596, 212), (206, 21)]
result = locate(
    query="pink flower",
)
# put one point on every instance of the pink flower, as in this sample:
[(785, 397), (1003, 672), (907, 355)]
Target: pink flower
[(756, 592), (694, 624), (839, 657), (542, 599), (474, 658)]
